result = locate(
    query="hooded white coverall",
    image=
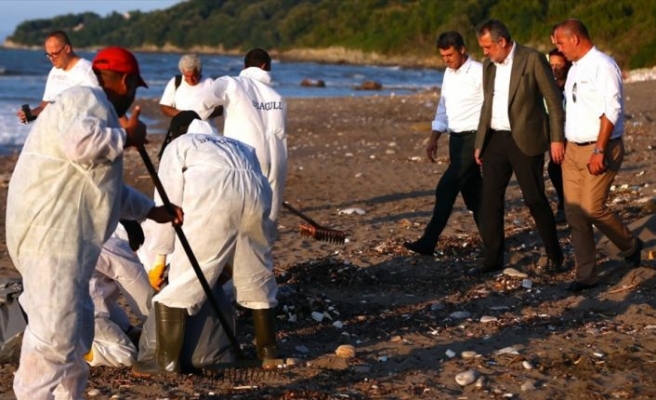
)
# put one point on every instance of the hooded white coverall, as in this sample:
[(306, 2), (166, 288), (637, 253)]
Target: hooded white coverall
[(226, 199), (118, 271), (254, 114), (65, 198)]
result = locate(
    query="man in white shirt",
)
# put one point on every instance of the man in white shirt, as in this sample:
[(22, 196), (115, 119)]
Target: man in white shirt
[(68, 70), (513, 134), (179, 94), (594, 127), (255, 114), (457, 114)]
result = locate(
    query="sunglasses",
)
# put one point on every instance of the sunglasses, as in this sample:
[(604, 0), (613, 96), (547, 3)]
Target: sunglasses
[(56, 53), (574, 93)]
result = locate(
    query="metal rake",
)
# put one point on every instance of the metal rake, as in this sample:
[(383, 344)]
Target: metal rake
[(314, 230)]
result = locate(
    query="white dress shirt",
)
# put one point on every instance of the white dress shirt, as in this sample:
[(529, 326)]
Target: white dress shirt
[(500, 120), (593, 88), (461, 98)]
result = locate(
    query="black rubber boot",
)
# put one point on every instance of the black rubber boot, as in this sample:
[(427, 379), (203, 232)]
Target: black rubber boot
[(265, 334), (161, 341)]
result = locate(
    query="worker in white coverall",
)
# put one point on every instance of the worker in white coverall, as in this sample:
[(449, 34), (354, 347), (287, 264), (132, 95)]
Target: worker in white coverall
[(227, 201), (254, 114), (118, 272), (65, 198)]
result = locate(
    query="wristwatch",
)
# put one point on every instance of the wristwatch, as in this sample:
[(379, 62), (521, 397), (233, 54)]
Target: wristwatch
[(597, 150)]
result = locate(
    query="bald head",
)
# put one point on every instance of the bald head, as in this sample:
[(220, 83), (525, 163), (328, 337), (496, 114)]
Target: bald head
[(572, 39)]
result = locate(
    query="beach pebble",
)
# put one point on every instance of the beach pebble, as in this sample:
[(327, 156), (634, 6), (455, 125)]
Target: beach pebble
[(480, 382), (93, 392), (512, 272), (527, 365), (345, 351), (437, 306), (528, 385), (349, 211), (317, 316), (467, 354), (292, 362), (460, 315), (338, 324), (508, 350), (487, 318), (527, 284), (467, 377), (450, 353)]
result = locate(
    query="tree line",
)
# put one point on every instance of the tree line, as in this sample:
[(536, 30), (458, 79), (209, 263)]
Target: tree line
[(623, 28)]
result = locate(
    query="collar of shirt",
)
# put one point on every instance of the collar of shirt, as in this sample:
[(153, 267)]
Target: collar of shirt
[(509, 58), (588, 58), (464, 68), (256, 73)]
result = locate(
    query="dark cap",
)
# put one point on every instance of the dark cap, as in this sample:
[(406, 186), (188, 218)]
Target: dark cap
[(118, 59)]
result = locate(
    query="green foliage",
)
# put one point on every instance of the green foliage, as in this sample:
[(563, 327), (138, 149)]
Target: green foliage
[(624, 28)]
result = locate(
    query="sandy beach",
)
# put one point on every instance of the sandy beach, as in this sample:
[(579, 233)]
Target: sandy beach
[(358, 165)]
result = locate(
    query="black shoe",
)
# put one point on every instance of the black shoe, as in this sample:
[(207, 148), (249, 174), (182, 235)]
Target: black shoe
[(636, 258), (576, 287), (554, 266), (416, 247), (485, 269)]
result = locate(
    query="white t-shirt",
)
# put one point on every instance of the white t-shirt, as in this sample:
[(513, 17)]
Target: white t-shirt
[(59, 80), (182, 98)]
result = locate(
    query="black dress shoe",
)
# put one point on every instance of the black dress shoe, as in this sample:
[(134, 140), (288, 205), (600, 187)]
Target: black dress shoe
[(554, 266), (416, 247), (485, 269), (576, 287), (636, 258)]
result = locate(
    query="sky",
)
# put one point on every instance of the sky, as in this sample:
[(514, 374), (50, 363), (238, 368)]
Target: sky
[(13, 12)]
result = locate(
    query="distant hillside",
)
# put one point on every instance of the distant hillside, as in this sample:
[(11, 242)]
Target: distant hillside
[(364, 31)]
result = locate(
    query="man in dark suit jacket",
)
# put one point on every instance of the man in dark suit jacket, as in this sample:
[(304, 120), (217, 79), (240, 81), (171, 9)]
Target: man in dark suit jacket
[(514, 132)]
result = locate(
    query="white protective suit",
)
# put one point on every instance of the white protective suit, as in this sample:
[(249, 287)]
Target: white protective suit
[(118, 271), (254, 114), (65, 198), (226, 200)]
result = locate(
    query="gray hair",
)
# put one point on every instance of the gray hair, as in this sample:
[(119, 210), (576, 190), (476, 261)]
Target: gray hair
[(190, 63), (495, 28)]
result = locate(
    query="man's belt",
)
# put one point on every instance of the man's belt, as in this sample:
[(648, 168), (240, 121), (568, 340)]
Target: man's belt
[(463, 133), (595, 142)]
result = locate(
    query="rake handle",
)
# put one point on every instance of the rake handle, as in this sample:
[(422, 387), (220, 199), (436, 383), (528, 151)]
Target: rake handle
[(300, 214), (190, 254)]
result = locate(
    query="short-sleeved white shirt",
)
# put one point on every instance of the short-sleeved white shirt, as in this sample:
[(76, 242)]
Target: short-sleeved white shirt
[(182, 98), (59, 80)]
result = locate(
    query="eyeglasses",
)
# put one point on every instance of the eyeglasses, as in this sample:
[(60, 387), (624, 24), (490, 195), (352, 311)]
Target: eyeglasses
[(574, 93), (56, 53)]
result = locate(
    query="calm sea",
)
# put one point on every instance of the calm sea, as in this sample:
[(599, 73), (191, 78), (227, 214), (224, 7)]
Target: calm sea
[(23, 74)]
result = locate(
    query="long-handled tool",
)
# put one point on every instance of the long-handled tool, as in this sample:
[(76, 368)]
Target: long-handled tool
[(315, 230), (192, 258)]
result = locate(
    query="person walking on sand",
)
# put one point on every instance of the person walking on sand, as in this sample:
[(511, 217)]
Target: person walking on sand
[(513, 134), (594, 98), (68, 70), (458, 112), (64, 200), (255, 114)]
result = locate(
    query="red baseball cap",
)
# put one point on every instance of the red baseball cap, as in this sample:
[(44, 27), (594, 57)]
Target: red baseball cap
[(118, 59)]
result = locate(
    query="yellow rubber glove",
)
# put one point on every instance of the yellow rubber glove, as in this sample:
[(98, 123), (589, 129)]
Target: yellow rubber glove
[(156, 274)]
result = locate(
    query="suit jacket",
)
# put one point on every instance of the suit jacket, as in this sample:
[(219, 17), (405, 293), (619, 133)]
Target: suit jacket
[(531, 85)]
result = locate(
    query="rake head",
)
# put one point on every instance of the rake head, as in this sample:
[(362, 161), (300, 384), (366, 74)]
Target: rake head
[(322, 234), (248, 371)]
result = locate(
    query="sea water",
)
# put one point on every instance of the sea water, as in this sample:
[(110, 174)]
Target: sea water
[(23, 75)]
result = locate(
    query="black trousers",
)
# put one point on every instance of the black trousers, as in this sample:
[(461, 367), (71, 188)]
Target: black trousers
[(501, 158), (462, 175)]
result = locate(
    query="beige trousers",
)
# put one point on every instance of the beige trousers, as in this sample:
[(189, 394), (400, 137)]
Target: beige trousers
[(585, 206)]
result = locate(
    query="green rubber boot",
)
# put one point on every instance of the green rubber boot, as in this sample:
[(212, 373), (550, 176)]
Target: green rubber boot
[(169, 339), (265, 334)]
